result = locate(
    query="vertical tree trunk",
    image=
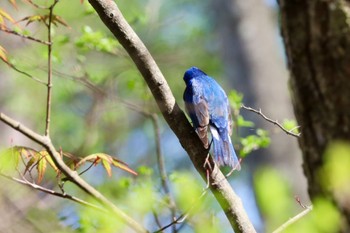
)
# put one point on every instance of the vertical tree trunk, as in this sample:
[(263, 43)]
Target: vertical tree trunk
[(317, 39)]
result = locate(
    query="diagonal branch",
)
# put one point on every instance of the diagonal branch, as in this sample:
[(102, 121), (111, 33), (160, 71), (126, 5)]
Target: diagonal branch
[(24, 36), (176, 119), (293, 220), (72, 175), (52, 192)]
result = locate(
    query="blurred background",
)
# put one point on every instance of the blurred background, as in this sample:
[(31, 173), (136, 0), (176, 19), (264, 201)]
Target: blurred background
[(100, 100)]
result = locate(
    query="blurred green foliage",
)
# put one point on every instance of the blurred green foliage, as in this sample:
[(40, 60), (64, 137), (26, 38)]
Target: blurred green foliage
[(251, 142)]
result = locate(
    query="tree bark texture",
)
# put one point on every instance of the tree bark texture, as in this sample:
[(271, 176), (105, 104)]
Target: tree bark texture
[(317, 40)]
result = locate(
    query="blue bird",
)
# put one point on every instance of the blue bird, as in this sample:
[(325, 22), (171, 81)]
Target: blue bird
[(207, 105)]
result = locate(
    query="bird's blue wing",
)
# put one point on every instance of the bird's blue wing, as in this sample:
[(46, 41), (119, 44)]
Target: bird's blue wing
[(197, 108)]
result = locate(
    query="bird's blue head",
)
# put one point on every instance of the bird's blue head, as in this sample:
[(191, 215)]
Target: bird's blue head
[(192, 73)]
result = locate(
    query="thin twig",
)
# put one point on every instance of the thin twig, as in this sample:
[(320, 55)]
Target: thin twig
[(36, 5), (184, 216), (52, 192), (163, 174), (24, 36), (49, 72), (25, 73), (275, 122), (156, 219), (293, 220)]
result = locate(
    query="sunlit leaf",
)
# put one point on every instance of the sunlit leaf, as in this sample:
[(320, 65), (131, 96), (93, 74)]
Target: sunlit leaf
[(9, 160), (145, 171), (105, 158), (235, 99), (107, 167), (29, 164), (14, 4), (290, 125), (241, 122), (3, 54), (41, 167), (254, 142), (26, 151), (34, 18), (4, 14), (96, 40), (48, 158), (57, 19), (123, 166)]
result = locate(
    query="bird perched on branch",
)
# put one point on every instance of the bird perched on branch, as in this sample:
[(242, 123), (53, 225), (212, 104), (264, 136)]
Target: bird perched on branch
[(207, 104)]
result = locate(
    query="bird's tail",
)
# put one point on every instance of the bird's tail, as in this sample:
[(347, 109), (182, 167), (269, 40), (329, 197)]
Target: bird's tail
[(223, 150)]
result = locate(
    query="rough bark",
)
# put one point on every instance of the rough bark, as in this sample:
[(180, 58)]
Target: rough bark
[(317, 39)]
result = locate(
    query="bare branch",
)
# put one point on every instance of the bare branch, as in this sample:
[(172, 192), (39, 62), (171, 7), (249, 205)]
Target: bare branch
[(293, 220), (72, 175), (229, 201), (275, 122), (54, 193), (184, 216), (162, 170), (24, 36), (25, 73), (49, 67)]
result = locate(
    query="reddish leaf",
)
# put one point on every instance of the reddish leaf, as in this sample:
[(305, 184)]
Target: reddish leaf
[(14, 4), (3, 54), (105, 158), (34, 18), (58, 19), (123, 166), (4, 14)]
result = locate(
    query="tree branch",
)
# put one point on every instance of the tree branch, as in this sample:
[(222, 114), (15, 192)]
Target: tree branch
[(229, 201), (24, 36), (162, 171), (293, 220), (52, 192), (275, 122), (49, 69), (72, 175)]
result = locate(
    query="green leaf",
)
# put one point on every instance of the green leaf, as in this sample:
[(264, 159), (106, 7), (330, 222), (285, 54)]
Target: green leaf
[(91, 40), (254, 142), (290, 125), (145, 171), (241, 122), (235, 99), (107, 167)]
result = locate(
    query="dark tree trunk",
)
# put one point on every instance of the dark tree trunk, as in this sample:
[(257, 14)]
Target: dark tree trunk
[(317, 39)]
